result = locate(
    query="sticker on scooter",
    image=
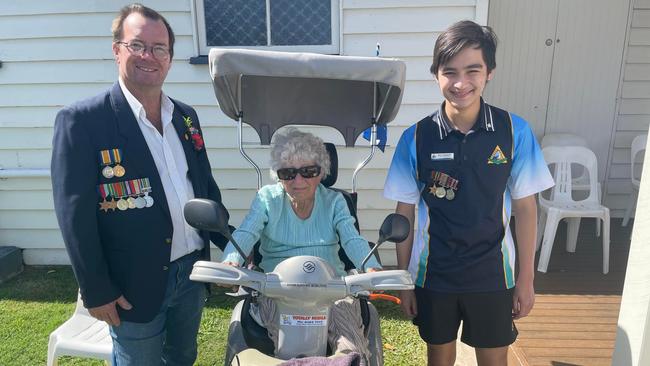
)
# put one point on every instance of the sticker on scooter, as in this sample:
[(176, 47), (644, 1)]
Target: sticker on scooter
[(303, 320)]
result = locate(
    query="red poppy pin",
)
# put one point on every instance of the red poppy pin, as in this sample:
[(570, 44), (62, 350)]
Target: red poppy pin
[(195, 134)]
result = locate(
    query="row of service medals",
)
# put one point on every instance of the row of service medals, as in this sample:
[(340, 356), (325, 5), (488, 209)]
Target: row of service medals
[(111, 160), (443, 186), (130, 194)]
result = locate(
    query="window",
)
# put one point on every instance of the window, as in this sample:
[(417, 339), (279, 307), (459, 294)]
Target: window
[(279, 25)]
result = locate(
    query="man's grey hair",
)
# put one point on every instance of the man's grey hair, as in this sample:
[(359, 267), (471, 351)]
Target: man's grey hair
[(294, 145)]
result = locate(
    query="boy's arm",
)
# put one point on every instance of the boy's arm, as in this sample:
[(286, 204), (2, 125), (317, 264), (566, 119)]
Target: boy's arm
[(403, 250), (526, 230)]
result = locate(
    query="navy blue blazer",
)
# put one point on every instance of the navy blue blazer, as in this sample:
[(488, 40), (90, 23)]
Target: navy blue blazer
[(119, 252)]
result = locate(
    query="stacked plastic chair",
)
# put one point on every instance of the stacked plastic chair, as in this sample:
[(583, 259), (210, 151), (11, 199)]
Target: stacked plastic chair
[(81, 336), (562, 204)]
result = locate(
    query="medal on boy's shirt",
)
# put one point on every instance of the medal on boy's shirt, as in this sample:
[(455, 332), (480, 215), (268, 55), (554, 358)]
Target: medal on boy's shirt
[(443, 185), (452, 186), (450, 195), (440, 192), (432, 190), (436, 187)]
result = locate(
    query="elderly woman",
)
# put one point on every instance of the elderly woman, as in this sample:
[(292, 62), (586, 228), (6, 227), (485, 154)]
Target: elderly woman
[(299, 216)]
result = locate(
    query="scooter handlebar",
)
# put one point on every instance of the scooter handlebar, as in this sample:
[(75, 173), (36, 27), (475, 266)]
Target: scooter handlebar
[(378, 281), (214, 272)]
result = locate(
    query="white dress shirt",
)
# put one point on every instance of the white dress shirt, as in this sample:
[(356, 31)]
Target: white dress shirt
[(169, 157)]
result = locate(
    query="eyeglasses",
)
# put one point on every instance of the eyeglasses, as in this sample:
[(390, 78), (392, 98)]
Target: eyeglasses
[(310, 171), (138, 48)]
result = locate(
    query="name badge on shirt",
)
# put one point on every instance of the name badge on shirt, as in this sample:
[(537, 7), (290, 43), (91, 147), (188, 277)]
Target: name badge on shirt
[(442, 156)]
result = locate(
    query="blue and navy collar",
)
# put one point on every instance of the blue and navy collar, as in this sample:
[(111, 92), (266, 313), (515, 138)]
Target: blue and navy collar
[(485, 120)]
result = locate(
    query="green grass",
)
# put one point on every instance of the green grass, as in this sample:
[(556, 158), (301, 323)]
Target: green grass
[(37, 301)]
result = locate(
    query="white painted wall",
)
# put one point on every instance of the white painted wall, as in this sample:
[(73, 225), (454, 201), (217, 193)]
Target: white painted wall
[(633, 117), (54, 53)]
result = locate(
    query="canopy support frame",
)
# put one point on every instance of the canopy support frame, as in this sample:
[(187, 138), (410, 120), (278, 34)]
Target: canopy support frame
[(240, 128), (373, 133)]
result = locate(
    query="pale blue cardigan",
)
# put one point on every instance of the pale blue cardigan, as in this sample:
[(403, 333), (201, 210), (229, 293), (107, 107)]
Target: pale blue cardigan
[(283, 234)]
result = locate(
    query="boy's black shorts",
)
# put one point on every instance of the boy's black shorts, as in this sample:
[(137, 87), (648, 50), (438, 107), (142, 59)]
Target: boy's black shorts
[(487, 317)]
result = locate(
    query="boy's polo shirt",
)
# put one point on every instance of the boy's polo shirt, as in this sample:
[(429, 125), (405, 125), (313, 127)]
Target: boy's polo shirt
[(463, 241)]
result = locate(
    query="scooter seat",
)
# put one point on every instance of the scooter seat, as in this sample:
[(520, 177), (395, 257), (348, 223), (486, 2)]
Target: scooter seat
[(253, 357)]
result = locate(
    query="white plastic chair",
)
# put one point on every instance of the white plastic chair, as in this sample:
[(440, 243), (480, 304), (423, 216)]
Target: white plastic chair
[(580, 182), (580, 177), (638, 146), (81, 336), (562, 204)]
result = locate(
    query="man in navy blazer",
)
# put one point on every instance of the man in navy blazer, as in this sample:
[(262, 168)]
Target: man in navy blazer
[(123, 165)]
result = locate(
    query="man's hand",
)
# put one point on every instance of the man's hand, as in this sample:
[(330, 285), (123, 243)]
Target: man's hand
[(409, 305), (108, 312), (523, 299)]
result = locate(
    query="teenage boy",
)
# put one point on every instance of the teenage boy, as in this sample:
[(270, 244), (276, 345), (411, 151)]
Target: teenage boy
[(467, 166)]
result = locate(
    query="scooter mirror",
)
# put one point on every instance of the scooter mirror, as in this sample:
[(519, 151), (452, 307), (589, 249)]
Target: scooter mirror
[(395, 228), (209, 215), (204, 214)]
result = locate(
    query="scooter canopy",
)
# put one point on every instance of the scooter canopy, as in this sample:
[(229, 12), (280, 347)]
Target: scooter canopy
[(268, 90)]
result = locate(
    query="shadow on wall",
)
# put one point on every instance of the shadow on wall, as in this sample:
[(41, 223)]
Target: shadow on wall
[(622, 351)]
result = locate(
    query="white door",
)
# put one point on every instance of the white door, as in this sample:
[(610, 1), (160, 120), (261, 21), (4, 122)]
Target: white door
[(525, 29), (569, 50)]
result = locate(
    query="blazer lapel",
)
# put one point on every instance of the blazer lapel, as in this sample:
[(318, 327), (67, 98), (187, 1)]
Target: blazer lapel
[(191, 155), (135, 151)]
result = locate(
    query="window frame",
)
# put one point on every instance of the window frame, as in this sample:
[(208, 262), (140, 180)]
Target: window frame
[(332, 49)]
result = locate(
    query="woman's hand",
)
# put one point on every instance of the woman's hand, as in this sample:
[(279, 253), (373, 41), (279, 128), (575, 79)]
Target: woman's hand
[(373, 270), (233, 288)]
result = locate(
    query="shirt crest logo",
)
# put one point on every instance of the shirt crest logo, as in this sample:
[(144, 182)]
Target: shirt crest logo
[(497, 157)]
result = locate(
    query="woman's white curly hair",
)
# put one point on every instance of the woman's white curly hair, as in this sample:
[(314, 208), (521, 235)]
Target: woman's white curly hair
[(294, 145)]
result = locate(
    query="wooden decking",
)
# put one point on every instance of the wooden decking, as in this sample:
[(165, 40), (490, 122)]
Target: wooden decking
[(575, 316)]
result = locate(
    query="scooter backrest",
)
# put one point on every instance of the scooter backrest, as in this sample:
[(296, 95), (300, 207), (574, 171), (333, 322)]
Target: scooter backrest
[(330, 179), (350, 198)]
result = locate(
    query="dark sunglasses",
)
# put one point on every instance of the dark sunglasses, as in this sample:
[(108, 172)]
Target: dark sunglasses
[(311, 171)]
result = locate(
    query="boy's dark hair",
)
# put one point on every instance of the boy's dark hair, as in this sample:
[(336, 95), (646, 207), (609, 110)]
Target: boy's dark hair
[(461, 35), (118, 23)]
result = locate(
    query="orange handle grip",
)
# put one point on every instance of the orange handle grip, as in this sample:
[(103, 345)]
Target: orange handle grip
[(394, 299)]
